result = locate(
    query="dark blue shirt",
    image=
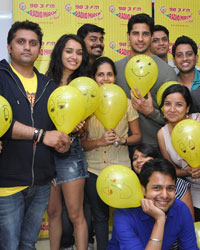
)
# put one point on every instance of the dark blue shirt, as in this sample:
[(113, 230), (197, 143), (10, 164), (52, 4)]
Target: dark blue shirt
[(132, 229)]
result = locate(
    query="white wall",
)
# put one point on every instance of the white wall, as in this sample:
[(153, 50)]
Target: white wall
[(6, 5), (5, 23)]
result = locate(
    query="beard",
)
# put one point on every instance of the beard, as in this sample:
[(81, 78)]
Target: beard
[(142, 51)]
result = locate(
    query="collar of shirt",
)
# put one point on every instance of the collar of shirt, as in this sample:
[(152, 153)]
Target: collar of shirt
[(196, 82)]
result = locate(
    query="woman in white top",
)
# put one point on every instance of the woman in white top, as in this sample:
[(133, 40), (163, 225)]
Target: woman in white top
[(176, 101)]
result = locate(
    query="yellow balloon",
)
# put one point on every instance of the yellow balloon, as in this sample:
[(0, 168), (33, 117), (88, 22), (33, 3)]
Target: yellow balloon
[(141, 72), (119, 187), (90, 89), (112, 106), (197, 231), (5, 115), (185, 140), (66, 107), (162, 89)]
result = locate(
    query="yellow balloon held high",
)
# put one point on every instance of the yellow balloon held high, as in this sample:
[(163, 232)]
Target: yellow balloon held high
[(66, 108), (90, 89), (186, 142), (112, 106), (119, 187), (5, 115), (141, 72)]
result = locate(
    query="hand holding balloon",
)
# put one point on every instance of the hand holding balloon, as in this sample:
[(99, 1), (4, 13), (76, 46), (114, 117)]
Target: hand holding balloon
[(141, 104), (108, 138), (79, 126), (196, 173), (118, 140), (188, 171), (58, 140)]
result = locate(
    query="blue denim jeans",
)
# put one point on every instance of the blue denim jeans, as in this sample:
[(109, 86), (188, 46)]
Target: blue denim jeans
[(100, 212), (21, 216), (71, 165)]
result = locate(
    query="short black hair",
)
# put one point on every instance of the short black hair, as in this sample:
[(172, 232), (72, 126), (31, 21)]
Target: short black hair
[(26, 25), (87, 27), (177, 88), (184, 40), (161, 28), (141, 18), (148, 150), (99, 61), (157, 165)]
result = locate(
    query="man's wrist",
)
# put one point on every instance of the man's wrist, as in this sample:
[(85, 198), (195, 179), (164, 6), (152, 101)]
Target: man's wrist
[(155, 240), (36, 134), (152, 113)]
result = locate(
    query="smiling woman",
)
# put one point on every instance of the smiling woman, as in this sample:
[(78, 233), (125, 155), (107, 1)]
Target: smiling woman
[(69, 60), (176, 101), (106, 147)]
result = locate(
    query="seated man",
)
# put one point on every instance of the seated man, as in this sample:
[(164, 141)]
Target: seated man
[(161, 219)]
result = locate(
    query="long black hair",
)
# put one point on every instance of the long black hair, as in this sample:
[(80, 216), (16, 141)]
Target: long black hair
[(55, 69)]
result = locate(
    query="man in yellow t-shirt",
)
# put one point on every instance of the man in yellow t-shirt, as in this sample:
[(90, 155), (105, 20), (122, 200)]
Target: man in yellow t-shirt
[(26, 160)]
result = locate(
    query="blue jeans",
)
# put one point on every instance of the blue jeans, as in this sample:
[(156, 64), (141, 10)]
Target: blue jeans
[(100, 212), (21, 216), (71, 165)]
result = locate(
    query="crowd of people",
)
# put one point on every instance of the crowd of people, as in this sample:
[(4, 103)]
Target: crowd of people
[(42, 168)]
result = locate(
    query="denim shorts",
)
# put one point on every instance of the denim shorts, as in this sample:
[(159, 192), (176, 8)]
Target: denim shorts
[(71, 165)]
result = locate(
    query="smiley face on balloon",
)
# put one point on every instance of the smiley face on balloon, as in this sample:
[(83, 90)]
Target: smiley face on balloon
[(90, 89), (5, 115), (66, 107), (185, 140), (119, 187), (57, 110), (116, 187), (141, 72), (112, 106)]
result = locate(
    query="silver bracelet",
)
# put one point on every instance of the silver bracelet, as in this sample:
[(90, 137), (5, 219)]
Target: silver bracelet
[(156, 240)]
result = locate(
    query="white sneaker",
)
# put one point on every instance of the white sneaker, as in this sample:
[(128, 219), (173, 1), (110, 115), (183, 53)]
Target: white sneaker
[(90, 246)]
